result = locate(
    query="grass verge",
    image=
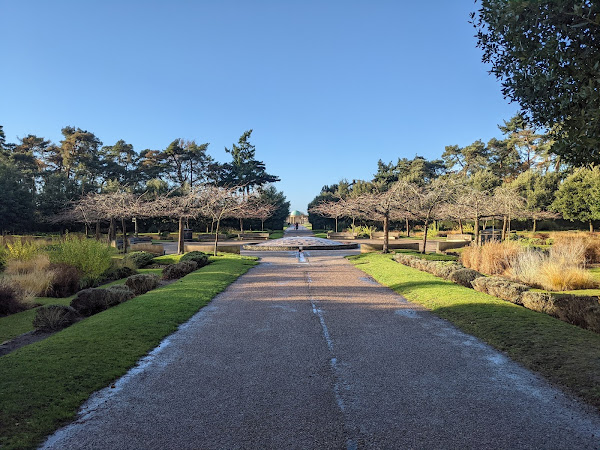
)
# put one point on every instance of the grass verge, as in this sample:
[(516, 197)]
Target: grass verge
[(565, 354), (429, 256), (44, 384)]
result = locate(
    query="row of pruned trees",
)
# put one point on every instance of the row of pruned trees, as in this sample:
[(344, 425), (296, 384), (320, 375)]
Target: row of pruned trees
[(210, 202), (447, 197)]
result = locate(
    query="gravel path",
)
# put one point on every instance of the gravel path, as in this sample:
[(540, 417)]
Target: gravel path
[(314, 354)]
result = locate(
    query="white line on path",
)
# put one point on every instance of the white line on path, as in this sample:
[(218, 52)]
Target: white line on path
[(350, 443)]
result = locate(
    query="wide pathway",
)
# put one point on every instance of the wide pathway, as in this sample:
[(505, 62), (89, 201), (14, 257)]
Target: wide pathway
[(314, 354)]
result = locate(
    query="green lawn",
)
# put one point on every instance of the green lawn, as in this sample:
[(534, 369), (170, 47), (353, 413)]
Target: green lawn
[(43, 384), (276, 234), (563, 353)]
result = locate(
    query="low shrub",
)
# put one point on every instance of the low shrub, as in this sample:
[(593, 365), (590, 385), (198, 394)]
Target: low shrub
[(120, 293), (142, 283), (500, 287), (65, 280), (94, 300), (583, 311), (444, 269), (199, 257), (10, 300), (92, 258), (174, 271), (140, 259), (120, 269), (20, 249), (54, 317), (465, 277)]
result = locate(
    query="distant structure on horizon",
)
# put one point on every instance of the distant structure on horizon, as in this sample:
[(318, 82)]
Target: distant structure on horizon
[(297, 217)]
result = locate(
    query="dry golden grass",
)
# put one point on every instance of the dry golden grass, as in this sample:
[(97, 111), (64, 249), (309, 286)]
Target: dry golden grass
[(587, 243), (492, 258), (555, 276), (38, 263)]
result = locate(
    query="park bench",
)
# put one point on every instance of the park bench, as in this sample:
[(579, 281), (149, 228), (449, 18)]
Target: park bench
[(140, 240), (251, 236), (341, 235)]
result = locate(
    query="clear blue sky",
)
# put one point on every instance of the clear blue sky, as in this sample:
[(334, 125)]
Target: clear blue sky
[(329, 87)]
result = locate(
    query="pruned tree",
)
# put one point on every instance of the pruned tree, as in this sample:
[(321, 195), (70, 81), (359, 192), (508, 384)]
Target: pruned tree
[(333, 209), (474, 204), (218, 203), (429, 200)]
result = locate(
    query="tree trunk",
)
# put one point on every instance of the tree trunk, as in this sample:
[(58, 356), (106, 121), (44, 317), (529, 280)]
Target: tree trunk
[(262, 225), (460, 226), (425, 235), (87, 230), (216, 237), (241, 225), (180, 241), (336, 224), (111, 231), (534, 224), (386, 234), (135, 225), (591, 226), (97, 230), (504, 224), (476, 226), (407, 227), (123, 227)]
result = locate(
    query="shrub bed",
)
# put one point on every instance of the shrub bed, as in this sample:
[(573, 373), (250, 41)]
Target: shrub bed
[(54, 317), (94, 300), (465, 277), (65, 280), (501, 287), (10, 300), (199, 258), (580, 310), (142, 283), (140, 259), (181, 269)]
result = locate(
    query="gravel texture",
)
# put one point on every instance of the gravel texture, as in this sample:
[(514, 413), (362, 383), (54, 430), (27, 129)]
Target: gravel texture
[(312, 353)]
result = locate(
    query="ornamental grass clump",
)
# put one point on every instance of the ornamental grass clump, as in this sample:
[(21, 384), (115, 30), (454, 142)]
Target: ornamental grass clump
[(65, 280), (491, 258), (54, 317), (32, 275), (11, 300)]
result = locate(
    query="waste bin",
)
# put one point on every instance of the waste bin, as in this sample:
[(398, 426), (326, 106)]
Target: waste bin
[(187, 234)]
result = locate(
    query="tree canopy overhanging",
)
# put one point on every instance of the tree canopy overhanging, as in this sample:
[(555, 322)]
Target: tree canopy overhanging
[(546, 53)]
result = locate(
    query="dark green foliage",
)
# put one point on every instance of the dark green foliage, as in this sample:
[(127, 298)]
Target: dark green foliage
[(174, 271), (54, 317), (94, 300), (140, 259), (199, 258), (16, 204), (546, 53), (120, 270), (66, 280), (142, 283), (9, 300), (465, 277)]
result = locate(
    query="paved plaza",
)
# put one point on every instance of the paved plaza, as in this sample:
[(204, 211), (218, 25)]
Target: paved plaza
[(311, 353)]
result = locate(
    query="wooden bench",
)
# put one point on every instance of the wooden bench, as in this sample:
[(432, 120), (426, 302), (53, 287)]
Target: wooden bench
[(342, 235), (252, 236)]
